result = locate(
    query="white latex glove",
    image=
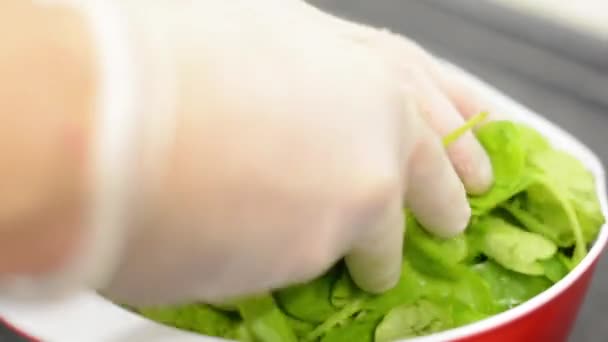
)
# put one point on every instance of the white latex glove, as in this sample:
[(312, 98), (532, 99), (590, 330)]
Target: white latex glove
[(293, 139)]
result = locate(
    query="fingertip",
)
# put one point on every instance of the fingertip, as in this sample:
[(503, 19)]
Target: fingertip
[(472, 164), (452, 216), (435, 193), (454, 225), (379, 287), (485, 175), (375, 261), (379, 282)]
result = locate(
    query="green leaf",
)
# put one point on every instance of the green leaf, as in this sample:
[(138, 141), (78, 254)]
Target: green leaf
[(310, 301), (226, 306), (264, 320), (463, 314), (474, 293), (509, 288), (532, 140), (197, 318), (420, 318), (411, 286), (241, 333), (569, 263), (513, 248), (300, 328), (560, 234), (577, 184), (355, 332), (339, 319), (555, 268), (344, 290), (548, 204), (444, 251), (502, 141)]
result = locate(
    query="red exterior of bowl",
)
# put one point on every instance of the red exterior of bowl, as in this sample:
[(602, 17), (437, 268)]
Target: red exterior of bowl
[(552, 321)]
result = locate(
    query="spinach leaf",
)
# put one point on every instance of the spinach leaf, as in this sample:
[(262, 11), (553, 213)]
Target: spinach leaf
[(555, 268), (355, 332), (241, 334), (225, 306), (532, 140), (197, 318), (339, 319), (474, 293), (411, 286), (344, 290), (577, 184), (443, 251), (467, 288), (560, 234), (419, 318), (264, 320), (514, 248), (300, 328), (509, 288), (548, 203), (502, 141), (311, 301)]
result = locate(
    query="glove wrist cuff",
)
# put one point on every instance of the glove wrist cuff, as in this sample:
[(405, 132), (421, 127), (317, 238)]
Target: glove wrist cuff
[(135, 127), (110, 171), (113, 148)]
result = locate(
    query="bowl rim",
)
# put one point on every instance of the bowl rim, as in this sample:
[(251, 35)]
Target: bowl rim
[(56, 320)]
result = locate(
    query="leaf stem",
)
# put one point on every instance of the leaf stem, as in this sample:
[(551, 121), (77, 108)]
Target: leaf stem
[(472, 122)]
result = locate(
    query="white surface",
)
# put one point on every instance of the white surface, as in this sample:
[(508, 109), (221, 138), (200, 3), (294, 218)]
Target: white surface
[(589, 16), (88, 317)]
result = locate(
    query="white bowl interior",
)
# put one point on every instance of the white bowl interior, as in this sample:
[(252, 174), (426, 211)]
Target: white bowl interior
[(89, 317)]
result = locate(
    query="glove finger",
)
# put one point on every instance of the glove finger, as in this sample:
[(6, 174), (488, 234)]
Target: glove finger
[(375, 261), (469, 158), (434, 191), (464, 95), (419, 72), (460, 90)]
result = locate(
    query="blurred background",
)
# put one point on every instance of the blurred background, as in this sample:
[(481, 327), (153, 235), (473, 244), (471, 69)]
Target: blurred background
[(550, 55)]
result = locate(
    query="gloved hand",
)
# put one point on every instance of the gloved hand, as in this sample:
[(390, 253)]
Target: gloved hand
[(293, 139)]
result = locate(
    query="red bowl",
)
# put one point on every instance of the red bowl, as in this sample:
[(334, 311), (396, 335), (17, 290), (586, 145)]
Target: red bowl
[(546, 317)]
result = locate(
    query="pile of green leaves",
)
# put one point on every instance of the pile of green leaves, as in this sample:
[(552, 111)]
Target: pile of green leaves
[(526, 233)]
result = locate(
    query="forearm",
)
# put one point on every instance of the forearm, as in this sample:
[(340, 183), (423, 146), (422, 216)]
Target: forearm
[(47, 91)]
